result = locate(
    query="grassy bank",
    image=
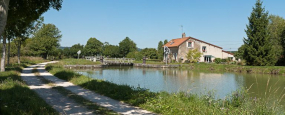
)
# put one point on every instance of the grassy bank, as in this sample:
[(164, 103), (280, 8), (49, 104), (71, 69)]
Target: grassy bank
[(16, 98), (278, 70), (165, 103), (72, 61)]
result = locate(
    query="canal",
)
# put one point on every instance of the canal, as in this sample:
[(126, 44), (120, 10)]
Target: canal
[(196, 82)]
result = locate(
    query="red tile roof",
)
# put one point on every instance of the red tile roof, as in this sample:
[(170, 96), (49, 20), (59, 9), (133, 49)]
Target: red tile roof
[(177, 42)]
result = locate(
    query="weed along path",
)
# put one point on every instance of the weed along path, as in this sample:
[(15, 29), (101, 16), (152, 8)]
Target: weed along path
[(59, 102), (100, 100)]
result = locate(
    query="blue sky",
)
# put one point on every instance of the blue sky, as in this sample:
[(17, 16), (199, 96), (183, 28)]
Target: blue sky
[(146, 22)]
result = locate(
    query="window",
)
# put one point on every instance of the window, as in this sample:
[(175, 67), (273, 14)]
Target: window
[(190, 44), (204, 49)]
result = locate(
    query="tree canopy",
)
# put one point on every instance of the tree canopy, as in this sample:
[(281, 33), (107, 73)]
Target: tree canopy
[(93, 47), (257, 46), (74, 49), (111, 50), (160, 50), (126, 46), (45, 40)]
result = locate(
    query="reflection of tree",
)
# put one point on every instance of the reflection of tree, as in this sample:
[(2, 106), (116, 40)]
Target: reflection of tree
[(143, 71), (260, 87)]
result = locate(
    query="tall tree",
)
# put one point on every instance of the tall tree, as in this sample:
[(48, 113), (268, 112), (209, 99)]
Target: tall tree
[(22, 12), (126, 46), (160, 50), (165, 42), (275, 28), (258, 51), (283, 45), (46, 39), (93, 47)]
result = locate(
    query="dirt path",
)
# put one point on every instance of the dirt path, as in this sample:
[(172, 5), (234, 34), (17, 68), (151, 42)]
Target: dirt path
[(59, 102), (103, 101)]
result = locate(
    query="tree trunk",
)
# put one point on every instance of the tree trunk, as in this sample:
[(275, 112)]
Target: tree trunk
[(3, 54), (19, 53), (8, 54), (4, 5)]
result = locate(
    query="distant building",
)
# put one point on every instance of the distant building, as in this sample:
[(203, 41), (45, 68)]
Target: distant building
[(179, 48)]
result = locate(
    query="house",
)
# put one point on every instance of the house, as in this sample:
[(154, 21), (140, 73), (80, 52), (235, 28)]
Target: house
[(179, 48)]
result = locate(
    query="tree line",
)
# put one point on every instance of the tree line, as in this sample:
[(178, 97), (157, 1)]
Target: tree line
[(127, 48), (265, 42)]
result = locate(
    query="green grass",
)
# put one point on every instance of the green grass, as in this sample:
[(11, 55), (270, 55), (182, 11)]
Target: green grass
[(213, 67), (175, 103), (155, 62), (72, 61), (278, 70), (16, 98)]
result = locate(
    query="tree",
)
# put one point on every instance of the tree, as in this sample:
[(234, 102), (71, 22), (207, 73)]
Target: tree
[(126, 46), (21, 14), (283, 45), (135, 54), (93, 47), (74, 49), (275, 28), (66, 52), (30, 10), (160, 50), (193, 55), (111, 50), (239, 54), (258, 50), (165, 41), (150, 53), (45, 40)]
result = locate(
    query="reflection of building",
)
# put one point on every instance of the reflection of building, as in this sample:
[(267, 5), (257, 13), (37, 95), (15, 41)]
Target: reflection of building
[(180, 47)]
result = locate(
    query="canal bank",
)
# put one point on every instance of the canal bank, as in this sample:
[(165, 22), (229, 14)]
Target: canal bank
[(167, 103), (273, 70)]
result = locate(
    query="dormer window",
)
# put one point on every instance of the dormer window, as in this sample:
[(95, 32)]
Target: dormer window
[(204, 49), (171, 42), (190, 44)]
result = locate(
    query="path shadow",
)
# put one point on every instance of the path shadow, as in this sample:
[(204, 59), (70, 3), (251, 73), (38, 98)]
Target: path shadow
[(19, 99)]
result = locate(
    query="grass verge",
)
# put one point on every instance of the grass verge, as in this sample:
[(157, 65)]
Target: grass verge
[(175, 103), (79, 62), (17, 99), (278, 70)]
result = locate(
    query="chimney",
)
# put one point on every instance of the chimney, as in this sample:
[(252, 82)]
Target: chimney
[(183, 35)]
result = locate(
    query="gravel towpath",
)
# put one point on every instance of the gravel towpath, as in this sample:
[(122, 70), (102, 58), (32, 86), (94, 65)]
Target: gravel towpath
[(62, 104), (59, 102)]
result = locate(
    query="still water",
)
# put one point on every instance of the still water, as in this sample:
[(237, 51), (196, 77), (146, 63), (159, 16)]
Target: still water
[(198, 82)]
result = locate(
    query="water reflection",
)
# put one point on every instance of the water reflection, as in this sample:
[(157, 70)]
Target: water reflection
[(175, 80)]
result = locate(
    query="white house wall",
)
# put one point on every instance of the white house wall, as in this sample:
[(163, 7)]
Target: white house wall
[(210, 50)]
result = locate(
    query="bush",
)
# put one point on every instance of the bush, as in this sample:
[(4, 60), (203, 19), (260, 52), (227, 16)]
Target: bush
[(218, 60)]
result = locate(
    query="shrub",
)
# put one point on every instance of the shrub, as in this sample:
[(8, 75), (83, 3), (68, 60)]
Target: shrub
[(218, 60)]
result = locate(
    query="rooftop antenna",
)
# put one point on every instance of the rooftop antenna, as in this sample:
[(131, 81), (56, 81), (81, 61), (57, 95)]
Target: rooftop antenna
[(182, 28)]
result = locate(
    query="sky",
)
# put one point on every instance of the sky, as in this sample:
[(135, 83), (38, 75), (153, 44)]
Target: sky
[(146, 22)]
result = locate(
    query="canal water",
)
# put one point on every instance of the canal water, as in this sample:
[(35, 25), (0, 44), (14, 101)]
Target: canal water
[(197, 82)]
